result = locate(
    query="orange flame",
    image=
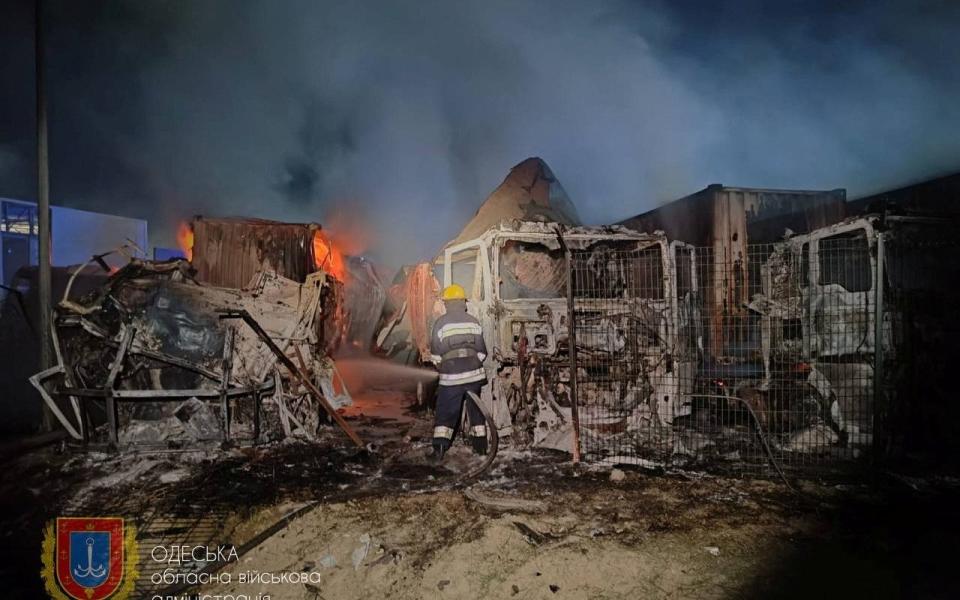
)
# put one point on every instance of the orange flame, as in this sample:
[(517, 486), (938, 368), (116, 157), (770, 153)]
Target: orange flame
[(185, 239), (348, 229), (327, 256)]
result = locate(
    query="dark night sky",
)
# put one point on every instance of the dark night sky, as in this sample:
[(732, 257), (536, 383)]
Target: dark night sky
[(408, 117)]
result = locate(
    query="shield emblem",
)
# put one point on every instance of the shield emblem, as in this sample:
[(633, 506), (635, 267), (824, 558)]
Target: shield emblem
[(89, 556)]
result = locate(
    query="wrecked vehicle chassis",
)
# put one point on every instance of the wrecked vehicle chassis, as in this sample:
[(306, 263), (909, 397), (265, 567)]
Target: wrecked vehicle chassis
[(150, 359), (628, 311)]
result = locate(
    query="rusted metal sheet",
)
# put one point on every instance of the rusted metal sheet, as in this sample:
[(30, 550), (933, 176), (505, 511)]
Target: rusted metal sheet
[(364, 297), (229, 252)]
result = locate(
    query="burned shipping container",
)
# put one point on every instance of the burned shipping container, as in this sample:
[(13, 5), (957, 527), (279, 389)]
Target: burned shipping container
[(229, 252), (935, 198), (726, 220)]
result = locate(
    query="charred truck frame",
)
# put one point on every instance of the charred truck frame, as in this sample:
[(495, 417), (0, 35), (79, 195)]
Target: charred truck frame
[(820, 360), (516, 277), (863, 306), (163, 358)]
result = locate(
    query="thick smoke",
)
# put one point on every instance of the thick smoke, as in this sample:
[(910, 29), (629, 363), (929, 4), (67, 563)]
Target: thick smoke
[(403, 116)]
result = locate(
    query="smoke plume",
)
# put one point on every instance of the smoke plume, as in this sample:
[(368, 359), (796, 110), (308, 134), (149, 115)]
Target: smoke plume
[(408, 114)]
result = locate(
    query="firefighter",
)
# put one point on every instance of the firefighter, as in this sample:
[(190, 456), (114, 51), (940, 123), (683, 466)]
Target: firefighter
[(457, 347)]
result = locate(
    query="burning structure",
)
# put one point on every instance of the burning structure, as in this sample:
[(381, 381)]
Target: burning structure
[(234, 346), (625, 345), (152, 348), (231, 252)]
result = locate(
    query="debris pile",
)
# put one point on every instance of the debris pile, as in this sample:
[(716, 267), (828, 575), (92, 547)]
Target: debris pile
[(151, 355)]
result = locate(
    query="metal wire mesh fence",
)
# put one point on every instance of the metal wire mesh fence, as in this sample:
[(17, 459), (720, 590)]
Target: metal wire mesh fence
[(918, 415), (738, 357)]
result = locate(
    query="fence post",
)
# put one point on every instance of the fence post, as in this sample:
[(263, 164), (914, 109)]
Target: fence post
[(879, 409), (572, 342)]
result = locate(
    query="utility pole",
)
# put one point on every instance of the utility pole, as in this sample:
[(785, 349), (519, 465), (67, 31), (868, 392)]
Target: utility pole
[(43, 209)]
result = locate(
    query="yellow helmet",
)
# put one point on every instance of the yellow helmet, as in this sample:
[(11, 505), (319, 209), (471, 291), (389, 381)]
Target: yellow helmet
[(454, 292)]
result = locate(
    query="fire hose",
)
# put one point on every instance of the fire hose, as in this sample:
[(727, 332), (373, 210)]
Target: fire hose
[(493, 443)]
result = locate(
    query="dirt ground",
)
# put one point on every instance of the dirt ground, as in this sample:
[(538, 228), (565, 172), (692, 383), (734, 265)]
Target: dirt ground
[(381, 523), (611, 543), (648, 536)]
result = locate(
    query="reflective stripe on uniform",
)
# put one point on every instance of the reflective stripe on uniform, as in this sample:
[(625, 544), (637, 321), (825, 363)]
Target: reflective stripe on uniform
[(443, 432), (460, 353), (458, 378), (451, 329), (478, 431)]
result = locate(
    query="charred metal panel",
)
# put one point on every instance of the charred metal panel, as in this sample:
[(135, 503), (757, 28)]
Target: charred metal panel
[(770, 213), (228, 252), (364, 297)]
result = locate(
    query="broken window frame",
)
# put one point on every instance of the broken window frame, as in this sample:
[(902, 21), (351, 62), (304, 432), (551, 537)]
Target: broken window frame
[(814, 272), (693, 303), (480, 290), (502, 245), (666, 279), (851, 270), (660, 286), (675, 249), (814, 291)]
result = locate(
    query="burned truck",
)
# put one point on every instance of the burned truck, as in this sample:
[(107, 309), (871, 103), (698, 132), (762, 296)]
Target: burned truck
[(154, 357), (632, 299), (863, 309), (232, 347), (537, 279)]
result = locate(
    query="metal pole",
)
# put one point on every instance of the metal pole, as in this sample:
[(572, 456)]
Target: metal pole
[(43, 208), (572, 342), (879, 408), (294, 370)]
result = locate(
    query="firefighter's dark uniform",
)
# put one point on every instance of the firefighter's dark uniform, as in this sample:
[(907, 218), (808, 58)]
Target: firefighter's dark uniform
[(457, 346)]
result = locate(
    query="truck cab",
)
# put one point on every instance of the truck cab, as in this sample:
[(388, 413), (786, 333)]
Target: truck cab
[(860, 302), (635, 306)]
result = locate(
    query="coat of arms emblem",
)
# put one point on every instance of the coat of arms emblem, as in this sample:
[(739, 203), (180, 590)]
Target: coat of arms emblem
[(89, 558)]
